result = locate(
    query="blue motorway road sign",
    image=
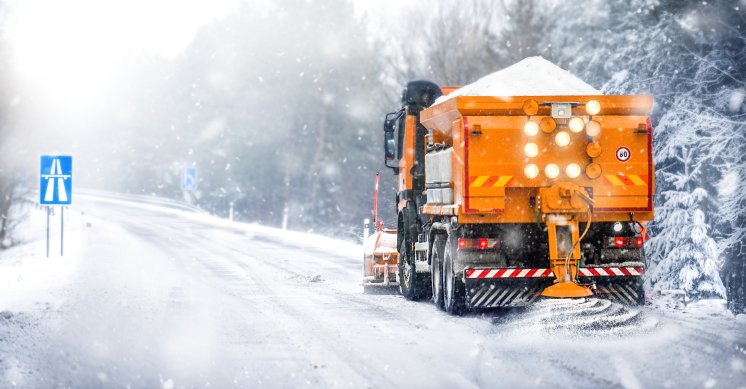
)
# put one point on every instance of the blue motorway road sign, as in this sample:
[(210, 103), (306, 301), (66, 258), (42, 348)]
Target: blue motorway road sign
[(189, 178), (56, 180)]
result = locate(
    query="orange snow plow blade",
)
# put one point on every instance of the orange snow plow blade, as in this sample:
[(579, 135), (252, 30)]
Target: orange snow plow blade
[(380, 259)]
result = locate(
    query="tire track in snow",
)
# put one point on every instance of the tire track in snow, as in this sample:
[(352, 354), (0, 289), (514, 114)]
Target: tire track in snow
[(303, 329), (243, 280)]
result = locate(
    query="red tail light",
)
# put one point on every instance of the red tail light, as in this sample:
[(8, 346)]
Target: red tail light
[(478, 244), (624, 242)]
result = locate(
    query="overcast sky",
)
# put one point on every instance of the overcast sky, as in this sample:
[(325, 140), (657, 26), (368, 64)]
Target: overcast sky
[(72, 49)]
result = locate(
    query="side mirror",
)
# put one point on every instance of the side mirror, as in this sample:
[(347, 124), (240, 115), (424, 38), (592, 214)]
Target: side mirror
[(389, 139), (389, 144)]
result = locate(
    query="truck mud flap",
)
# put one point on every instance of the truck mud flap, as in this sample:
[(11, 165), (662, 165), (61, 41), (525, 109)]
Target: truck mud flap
[(498, 292), (624, 290)]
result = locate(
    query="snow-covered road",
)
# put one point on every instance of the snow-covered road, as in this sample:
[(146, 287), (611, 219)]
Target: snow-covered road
[(155, 296)]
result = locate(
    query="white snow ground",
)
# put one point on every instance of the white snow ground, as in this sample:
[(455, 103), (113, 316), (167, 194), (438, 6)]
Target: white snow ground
[(152, 295)]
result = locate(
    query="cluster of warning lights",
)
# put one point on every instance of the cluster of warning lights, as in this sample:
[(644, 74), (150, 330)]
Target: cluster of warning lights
[(575, 124)]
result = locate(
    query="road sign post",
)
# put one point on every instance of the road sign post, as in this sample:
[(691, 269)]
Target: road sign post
[(62, 231), (48, 209), (56, 188)]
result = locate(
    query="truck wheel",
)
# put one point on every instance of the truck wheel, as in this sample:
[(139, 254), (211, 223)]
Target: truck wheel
[(406, 271), (412, 285), (454, 291), (436, 269)]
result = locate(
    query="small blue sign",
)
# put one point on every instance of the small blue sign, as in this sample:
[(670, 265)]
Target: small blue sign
[(56, 180), (189, 178)]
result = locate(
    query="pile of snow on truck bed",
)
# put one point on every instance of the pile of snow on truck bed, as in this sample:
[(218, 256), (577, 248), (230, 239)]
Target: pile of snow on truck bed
[(533, 76)]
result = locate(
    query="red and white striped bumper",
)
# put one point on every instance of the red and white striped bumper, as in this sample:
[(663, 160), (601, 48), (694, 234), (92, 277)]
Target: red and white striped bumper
[(511, 287), (508, 273), (625, 271), (611, 271)]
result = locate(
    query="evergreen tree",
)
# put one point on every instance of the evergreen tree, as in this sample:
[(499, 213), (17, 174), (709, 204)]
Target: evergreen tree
[(684, 256)]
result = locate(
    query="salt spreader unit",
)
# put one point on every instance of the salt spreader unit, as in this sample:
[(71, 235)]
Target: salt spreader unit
[(503, 199)]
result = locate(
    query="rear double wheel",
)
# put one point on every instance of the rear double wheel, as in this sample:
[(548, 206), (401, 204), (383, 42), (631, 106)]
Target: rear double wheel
[(454, 290), (436, 266)]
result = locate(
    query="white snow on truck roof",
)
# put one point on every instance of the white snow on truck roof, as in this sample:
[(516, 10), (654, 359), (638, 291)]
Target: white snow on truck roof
[(533, 76)]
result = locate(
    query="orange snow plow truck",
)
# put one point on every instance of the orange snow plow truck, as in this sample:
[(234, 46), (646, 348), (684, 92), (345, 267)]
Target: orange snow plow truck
[(502, 200)]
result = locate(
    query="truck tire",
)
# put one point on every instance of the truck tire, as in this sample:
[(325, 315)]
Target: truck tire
[(413, 286), (454, 291), (436, 270)]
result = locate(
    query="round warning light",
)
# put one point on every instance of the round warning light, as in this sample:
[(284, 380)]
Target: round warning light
[(530, 128), (562, 139), (576, 124), (593, 107), (531, 171), (530, 107), (572, 170), (593, 128), (531, 150), (552, 170), (593, 149), (548, 124), (593, 171)]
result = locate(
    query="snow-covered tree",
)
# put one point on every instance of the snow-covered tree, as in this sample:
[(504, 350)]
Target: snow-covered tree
[(451, 43), (732, 200), (684, 255), (10, 180)]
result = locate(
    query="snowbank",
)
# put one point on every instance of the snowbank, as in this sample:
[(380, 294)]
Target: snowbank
[(533, 76), (295, 238), (27, 277)]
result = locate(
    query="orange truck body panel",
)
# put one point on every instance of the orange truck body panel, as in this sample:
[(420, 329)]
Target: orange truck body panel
[(489, 184)]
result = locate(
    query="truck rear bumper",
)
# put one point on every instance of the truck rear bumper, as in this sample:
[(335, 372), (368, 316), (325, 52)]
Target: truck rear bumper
[(514, 287)]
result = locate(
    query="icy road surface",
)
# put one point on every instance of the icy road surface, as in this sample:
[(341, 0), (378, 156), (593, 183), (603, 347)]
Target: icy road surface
[(152, 296)]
